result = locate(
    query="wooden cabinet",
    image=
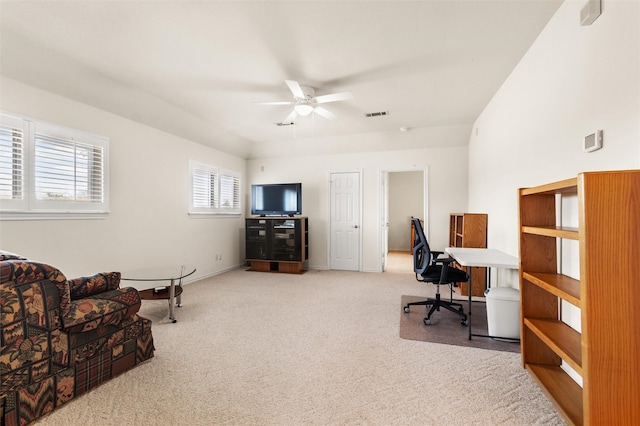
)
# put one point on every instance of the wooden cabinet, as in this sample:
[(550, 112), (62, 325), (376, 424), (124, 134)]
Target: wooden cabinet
[(470, 230), (605, 352), (277, 244)]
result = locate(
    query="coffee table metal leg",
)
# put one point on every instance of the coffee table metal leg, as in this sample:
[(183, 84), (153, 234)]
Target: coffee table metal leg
[(180, 285), (172, 295)]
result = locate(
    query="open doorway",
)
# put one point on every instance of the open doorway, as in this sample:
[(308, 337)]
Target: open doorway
[(404, 195)]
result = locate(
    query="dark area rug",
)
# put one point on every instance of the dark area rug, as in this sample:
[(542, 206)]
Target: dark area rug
[(446, 327)]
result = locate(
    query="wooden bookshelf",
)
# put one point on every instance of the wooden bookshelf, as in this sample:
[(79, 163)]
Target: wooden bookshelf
[(470, 230), (605, 352)]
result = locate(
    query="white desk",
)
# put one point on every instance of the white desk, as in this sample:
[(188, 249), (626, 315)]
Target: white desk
[(488, 258)]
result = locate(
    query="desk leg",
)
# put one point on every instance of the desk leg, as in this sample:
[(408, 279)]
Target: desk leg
[(469, 291), (172, 295)]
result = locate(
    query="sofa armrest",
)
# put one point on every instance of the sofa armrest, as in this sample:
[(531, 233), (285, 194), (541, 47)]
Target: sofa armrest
[(17, 272), (106, 308), (95, 284), (7, 255)]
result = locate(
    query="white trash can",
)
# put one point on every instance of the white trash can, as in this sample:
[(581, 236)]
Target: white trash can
[(503, 312)]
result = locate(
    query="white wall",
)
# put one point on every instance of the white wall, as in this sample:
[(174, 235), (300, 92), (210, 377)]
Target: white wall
[(148, 224), (572, 81), (447, 191)]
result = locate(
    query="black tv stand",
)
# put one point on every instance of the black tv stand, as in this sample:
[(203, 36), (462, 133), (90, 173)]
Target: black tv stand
[(277, 244)]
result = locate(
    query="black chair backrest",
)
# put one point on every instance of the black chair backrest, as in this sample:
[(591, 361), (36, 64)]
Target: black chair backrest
[(421, 250)]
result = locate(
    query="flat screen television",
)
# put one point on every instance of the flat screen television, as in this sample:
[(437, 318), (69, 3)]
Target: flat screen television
[(276, 199)]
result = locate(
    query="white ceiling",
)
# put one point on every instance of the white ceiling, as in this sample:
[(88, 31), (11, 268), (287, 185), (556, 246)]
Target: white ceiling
[(195, 68)]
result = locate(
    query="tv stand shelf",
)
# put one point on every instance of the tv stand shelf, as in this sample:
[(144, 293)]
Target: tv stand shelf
[(277, 244)]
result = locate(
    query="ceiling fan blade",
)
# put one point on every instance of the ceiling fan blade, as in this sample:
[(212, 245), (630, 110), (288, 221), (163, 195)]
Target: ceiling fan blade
[(333, 97), (323, 112), (295, 88), (274, 103), (291, 117)]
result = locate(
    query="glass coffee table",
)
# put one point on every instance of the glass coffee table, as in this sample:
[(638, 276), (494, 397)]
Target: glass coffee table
[(172, 292)]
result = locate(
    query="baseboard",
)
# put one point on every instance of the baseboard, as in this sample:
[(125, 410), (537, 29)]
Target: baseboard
[(212, 274)]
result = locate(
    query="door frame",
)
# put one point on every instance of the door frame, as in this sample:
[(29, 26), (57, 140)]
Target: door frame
[(360, 183), (383, 197)]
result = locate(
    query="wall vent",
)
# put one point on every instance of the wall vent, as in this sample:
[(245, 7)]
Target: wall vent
[(376, 114), (286, 124)]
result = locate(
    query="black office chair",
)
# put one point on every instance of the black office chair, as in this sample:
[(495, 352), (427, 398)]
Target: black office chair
[(431, 268)]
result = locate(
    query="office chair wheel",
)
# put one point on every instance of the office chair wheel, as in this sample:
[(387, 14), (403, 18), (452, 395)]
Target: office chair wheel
[(426, 321), (464, 322), (406, 309)]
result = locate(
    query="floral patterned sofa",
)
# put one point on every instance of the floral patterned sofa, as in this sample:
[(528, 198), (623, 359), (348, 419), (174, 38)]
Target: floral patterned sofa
[(60, 338)]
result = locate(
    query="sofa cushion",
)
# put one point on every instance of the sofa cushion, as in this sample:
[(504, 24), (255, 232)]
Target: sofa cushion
[(100, 310), (98, 283)]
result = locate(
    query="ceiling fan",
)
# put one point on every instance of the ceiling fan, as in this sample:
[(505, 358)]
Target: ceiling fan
[(305, 102)]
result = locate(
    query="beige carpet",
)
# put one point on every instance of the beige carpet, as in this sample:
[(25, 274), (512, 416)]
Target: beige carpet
[(321, 348)]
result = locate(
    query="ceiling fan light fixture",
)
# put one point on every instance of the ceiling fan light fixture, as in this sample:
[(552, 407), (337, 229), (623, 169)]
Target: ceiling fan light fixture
[(303, 109)]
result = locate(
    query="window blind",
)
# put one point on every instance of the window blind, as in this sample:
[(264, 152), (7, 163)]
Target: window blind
[(213, 190), (229, 192), (204, 183), (51, 171), (67, 170), (11, 162)]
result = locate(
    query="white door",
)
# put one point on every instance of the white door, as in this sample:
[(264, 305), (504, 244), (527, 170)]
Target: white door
[(345, 221)]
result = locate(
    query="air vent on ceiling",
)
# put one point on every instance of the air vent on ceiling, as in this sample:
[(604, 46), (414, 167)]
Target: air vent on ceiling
[(286, 124), (376, 114)]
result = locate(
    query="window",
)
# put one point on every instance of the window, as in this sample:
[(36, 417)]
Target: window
[(11, 161), (213, 190), (48, 170)]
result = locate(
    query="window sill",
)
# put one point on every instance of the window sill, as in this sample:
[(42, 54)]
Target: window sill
[(201, 215), (8, 215)]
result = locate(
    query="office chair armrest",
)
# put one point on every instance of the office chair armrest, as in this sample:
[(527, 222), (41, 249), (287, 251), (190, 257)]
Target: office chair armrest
[(444, 273), (434, 256), (444, 260)]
